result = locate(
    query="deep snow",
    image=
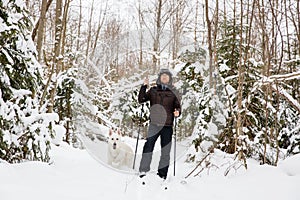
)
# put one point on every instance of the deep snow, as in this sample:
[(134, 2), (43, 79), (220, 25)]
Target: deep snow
[(74, 174)]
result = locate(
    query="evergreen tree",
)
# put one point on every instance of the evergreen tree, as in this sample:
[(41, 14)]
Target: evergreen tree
[(125, 109), (89, 98), (254, 122), (63, 102), (208, 110), (25, 128), (267, 118)]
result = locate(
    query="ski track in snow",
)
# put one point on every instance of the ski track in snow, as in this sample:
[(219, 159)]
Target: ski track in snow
[(74, 174)]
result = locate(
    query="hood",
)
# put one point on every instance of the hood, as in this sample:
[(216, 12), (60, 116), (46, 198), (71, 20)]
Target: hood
[(165, 71)]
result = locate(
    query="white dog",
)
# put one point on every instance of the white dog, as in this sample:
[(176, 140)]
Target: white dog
[(119, 154)]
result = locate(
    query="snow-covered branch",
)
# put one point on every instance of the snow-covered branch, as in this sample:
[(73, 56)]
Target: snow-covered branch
[(283, 77), (287, 96)]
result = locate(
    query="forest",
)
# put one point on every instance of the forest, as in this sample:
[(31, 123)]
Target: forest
[(68, 66)]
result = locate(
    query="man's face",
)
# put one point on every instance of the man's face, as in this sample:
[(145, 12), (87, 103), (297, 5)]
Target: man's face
[(164, 78)]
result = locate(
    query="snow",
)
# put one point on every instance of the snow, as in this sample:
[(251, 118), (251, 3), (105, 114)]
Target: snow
[(291, 166), (187, 48), (223, 66), (83, 174), (98, 149), (179, 67), (9, 59), (293, 101), (20, 4), (45, 117), (289, 76), (21, 92), (60, 131), (230, 90), (212, 129), (74, 174)]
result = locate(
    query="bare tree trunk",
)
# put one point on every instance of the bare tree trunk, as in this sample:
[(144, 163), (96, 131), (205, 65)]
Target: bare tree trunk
[(64, 29), (239, 125), (287, 32), (196, 24), (174, 28), (79, 25), (36, 27), (298, 42), (141, 35), (177, 18), (57, 52), (99, 27), (89, 33), (276, 126), (27, 3), (215, 58), (273, 54), (177, 21), (225, 16), (58, 35), (210, 50), (41, 28), (266, 72), (266, 135), (298, 32), (203, 22), (157, 34)]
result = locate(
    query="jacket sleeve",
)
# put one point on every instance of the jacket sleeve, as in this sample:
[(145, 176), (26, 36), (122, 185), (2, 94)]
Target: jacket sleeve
[(177, 102), (143, 95)]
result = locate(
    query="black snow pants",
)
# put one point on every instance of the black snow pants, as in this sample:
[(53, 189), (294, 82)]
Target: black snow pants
[(165, 133)]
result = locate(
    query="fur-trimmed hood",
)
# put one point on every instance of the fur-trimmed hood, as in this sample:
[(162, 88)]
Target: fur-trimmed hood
[(165, 71)]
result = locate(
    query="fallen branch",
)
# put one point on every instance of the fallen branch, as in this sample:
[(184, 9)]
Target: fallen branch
[(203, 159)]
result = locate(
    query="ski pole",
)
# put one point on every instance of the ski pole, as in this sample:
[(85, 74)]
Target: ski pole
[(137, 138), (175, 145)]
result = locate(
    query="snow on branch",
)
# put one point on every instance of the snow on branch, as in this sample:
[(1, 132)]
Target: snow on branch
[(282, 92), (102, 76), (287, 96), (282, 77)]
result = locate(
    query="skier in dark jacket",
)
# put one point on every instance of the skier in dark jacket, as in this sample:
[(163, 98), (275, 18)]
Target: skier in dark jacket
[(164, 106)]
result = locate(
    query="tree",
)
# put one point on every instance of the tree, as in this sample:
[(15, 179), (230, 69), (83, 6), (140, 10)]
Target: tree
[(210, 43), (41, 27), (178, 20), (25, 128), (89, 33)]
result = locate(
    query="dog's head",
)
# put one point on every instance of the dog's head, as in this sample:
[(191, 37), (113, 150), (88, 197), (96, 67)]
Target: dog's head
[(114, 138)]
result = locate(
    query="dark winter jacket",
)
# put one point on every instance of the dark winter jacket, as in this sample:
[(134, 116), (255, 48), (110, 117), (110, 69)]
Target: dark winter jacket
[(162, 104)]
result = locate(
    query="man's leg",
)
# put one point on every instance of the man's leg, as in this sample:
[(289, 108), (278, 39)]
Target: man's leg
[(165, 142), (148, 148)]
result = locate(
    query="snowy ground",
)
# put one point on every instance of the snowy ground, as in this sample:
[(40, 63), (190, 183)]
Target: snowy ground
[(74, 174), (98, 150)]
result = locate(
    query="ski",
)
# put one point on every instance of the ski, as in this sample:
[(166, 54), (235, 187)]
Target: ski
[(162, 186), (151, 180), (159, 183)]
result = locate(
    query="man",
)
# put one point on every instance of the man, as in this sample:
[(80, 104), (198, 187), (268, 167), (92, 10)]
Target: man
[(164, 106)]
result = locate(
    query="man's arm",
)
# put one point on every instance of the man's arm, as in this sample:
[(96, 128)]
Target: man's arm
[(177, 104), (143, 95)]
